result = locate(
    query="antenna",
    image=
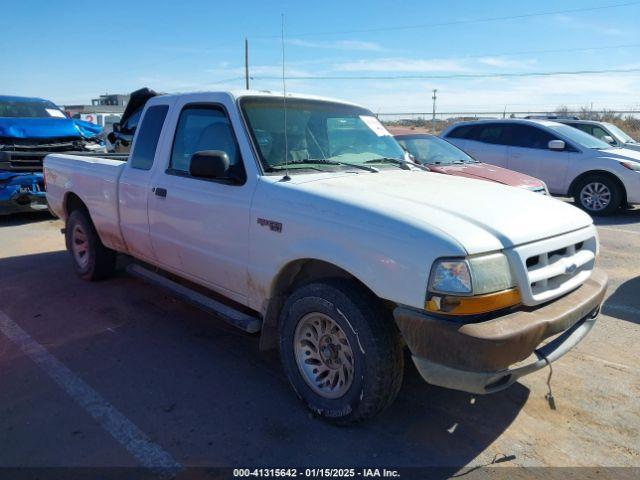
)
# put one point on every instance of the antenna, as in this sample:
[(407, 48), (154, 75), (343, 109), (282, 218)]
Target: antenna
[(284, 107)]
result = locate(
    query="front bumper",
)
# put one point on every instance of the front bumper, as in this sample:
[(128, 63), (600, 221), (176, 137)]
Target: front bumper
[(488, 356), (14, 199)]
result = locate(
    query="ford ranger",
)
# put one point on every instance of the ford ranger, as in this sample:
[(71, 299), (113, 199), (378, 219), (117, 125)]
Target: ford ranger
[(300, 218)]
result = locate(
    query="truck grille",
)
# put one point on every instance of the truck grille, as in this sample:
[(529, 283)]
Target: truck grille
[(550, 268)]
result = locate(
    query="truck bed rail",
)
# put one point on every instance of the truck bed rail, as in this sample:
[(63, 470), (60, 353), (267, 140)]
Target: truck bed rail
[(18, 161)]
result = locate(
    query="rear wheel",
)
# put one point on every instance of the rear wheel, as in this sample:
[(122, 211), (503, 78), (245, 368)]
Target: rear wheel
[(598, 195), (91, 259), (340, 350)]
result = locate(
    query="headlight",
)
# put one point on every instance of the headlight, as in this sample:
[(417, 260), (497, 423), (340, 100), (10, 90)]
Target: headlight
[(540, 189), (473, 285), (475, 275), (635, 166), (450, 276)]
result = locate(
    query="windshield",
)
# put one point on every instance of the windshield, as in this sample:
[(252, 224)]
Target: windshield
[(578, 136), (430, 150), (320, 135), (29, 109), (620, 134)]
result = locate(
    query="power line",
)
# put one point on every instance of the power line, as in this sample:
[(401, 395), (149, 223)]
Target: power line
[(450, 76), (459, 22)]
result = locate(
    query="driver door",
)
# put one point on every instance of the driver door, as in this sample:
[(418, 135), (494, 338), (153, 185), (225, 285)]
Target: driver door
[(199, 227)]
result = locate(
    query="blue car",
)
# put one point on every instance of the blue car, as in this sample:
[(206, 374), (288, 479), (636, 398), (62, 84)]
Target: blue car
[(21, 192), (30, 128)]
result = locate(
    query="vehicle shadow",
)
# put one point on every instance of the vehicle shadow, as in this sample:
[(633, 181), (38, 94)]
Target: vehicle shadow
[(204, 392), (624, 303), (623, 217), (16, 219)]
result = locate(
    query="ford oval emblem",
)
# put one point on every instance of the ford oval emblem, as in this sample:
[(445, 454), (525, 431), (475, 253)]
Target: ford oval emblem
[(572, 267)]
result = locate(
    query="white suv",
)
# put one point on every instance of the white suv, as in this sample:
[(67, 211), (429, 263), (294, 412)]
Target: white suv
[(607, 132), (571, 162)]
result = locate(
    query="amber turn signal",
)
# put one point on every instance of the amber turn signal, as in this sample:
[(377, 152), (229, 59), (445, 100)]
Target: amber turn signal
[(454, 305)]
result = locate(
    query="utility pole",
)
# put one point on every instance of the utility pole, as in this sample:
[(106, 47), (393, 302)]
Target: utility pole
[(433, 120), (246, 62)]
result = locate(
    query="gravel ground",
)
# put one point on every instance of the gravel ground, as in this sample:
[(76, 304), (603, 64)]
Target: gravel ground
[(201, 394)]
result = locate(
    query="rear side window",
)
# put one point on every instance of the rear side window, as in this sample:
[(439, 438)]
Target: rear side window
[(586, 128), (599, 132), (525, 136), (490, 133), (148, 135), (463, 131)]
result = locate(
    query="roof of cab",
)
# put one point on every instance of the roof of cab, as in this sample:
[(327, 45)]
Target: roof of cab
[(547, 123), (237, 94)]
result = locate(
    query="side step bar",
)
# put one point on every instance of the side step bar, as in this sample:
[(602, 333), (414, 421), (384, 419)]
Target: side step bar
[(228, 314)]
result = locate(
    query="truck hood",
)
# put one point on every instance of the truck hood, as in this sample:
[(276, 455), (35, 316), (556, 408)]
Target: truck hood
[(47, 128), (492, 173), (480, 216)]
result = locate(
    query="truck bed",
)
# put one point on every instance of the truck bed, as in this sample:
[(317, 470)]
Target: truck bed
[(94, 179)]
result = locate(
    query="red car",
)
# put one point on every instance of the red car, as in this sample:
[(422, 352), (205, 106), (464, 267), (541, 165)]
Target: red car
[(442, 157)]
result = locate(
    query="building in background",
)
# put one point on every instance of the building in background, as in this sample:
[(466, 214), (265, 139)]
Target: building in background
[(104, 110)]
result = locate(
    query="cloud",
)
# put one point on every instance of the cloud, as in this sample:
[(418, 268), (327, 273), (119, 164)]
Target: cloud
[(397, 65), (500, 62), (348, 45), (488, 94), (568, 21)]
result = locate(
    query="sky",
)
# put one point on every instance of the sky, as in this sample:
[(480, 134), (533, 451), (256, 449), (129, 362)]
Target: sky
[(72, 51)]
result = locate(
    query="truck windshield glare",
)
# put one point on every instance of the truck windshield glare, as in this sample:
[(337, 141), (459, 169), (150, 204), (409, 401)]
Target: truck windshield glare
[(335, 135)]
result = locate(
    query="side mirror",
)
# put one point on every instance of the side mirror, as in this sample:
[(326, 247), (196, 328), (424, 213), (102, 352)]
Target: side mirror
[(609, 139), (116, 127), (209, 164), (557, 145), (111, 136)]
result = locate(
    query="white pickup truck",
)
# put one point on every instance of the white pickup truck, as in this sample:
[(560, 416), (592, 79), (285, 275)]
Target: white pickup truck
[(322, 237)]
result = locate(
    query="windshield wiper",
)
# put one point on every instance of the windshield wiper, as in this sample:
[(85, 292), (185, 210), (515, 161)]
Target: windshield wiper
[(396, 161), (318, 161), (403, 164)]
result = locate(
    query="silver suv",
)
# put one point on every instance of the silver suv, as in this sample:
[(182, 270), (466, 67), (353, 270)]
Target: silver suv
[(607, 132), (599, 176)]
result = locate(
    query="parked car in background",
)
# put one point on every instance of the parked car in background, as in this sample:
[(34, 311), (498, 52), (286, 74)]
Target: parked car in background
[(122, 132), (598, 176), (607, 132), (443, 157), (30, 128), (21, 192), (320, 235)]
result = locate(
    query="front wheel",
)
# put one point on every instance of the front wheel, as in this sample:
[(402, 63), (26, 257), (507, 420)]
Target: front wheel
[(598, 195), (340, 350)]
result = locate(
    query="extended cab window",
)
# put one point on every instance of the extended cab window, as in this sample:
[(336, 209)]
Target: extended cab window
[(148, 135), (201, 128)]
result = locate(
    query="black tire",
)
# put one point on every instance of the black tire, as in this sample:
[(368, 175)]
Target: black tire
[(378, 360), (99, 261), (611, 191)]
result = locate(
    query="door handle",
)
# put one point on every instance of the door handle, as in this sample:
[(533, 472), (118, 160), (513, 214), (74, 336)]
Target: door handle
[(159, 191)]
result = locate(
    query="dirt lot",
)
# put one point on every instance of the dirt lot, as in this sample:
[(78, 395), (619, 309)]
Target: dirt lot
[(94, 368)]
